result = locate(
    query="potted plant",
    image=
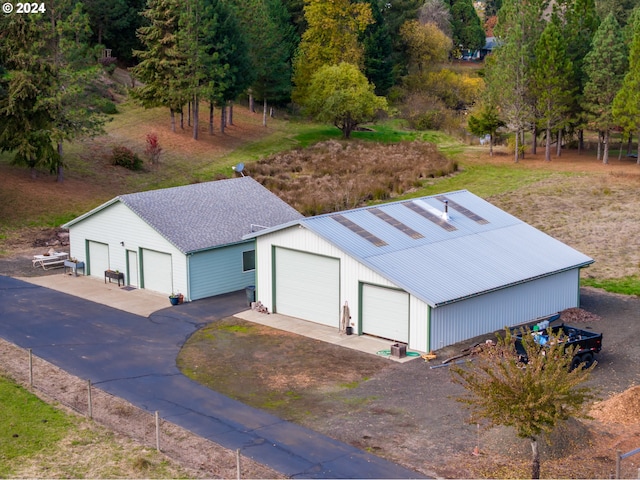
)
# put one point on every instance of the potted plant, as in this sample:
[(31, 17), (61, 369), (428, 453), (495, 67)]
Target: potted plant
[(174, 298)]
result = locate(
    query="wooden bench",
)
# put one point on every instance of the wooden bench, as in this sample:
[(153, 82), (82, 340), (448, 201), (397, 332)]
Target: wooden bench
[(51, 260)]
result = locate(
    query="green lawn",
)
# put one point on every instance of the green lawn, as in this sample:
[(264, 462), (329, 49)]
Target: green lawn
[(38, 440)]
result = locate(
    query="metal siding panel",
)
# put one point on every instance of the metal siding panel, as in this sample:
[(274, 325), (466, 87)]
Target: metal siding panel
[(307, 286), (418, 325), (385, 313), (504, 308), (219, 271)]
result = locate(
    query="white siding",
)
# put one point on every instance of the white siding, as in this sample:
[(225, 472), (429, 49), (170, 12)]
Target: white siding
[(307, 286), (352, 273), (503, 308), (385, 313), (98, 258), (117, 223)]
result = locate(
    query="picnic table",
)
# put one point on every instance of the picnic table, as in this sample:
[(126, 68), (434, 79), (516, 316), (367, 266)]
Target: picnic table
[(50, 260)]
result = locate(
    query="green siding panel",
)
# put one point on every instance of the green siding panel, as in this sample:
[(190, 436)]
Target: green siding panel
[(219, 271)]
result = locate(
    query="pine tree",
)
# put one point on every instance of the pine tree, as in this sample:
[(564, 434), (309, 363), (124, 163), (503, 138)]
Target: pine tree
[(580, 24), (605, 66), (509, 73), (47, 84), (24, 120), (466, 26), (626, 104), (161, 60), (552, 75), (378, 51), (485, 121)]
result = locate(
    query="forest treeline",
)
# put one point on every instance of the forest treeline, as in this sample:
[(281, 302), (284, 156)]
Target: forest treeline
[(558, 68)]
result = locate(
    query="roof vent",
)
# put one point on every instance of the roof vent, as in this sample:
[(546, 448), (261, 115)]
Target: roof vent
[(445, 214)]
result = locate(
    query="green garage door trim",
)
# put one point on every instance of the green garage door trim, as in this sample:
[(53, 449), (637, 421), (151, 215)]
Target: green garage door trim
[(157, 272), (385, 312), (98, 255), (307, 286)]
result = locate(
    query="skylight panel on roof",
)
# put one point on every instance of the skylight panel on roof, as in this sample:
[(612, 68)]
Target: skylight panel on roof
[(463, 210), (429, 215), (354, 227), (395, 223)]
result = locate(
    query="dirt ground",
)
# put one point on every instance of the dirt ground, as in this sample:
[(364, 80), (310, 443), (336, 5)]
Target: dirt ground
[(407, 412)]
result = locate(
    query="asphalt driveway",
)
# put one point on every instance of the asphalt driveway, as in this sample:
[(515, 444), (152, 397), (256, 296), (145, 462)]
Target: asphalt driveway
[(133, 357)]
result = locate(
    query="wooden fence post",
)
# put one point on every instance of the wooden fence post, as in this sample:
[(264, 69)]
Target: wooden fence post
[(157, 431), (90, 412), (30, 368)]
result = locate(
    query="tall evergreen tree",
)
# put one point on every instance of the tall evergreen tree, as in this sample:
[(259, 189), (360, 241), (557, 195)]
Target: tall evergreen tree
[(508, 73), (46, 86), (552, 75), (396, 13), (161, 59), (271, 40), (25, 121), (626, 104), (230, 45), (605, 66), (77, 75), (378, 51), (467, 29), (580, 24)]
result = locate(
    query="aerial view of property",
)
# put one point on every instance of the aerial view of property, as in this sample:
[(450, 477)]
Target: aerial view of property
[(319, 239)]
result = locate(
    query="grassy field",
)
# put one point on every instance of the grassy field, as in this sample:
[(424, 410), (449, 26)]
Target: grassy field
[(38, 440)]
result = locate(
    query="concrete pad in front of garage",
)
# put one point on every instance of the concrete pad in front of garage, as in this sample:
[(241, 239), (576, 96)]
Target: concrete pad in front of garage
[(362, 343), (137, 301)]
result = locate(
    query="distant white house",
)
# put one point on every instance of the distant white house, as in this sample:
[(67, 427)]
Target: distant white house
[(185, 239), (429, 272)]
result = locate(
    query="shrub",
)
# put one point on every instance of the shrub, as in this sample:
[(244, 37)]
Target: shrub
[(123, 157), (153, 149), (511, 146), (106, 106)]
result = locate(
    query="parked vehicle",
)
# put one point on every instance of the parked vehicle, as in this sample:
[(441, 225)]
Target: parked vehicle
[(587, 343)]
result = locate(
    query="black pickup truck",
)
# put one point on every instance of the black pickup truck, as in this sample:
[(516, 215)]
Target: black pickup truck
[(587, 343)]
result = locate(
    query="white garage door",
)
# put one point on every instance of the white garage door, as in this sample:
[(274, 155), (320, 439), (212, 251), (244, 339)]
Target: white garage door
[(385, 313), (98, 260), (307, 286), (157, 273)]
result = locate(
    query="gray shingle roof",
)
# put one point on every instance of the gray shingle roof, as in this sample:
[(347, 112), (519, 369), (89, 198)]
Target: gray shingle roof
[(206, 215)]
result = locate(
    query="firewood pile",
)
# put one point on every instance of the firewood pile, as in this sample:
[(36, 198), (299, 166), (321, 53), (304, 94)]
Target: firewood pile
[(578, 315), (623, 408)]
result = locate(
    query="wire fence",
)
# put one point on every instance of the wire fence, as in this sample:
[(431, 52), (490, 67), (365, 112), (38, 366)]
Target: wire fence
[(146, 428)]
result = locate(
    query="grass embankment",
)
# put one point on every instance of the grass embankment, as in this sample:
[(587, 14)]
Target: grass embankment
[(38, 440)]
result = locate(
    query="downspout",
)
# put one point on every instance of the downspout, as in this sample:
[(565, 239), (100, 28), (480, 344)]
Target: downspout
[(188, 299)]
